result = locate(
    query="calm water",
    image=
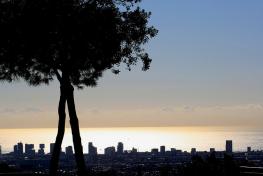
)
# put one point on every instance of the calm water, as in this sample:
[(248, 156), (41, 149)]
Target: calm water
[(143, 139)]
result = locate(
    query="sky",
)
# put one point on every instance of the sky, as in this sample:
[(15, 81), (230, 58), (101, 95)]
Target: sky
[(206, 71)]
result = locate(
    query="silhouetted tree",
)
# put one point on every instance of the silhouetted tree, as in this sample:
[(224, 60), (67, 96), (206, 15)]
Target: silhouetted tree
[(74, 41)]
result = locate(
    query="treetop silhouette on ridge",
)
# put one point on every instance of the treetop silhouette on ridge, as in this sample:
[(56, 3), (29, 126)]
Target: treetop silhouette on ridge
[(83, 38)]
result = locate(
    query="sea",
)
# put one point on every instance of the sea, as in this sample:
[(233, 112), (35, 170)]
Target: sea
[(141, 138)]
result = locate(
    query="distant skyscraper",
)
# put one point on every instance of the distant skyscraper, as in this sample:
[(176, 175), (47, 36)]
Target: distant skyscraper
[(193, 151), (162, 150), (15, 151), (20, 149), (155, 151), (41, 150), (69, 151), (212, 150), (92, 150), (120, 148), (173, 151), (109, 151), (248, 149), (0, 150), (134, 150), (52, 145), (29, 150), (41, 146), (229, 146)]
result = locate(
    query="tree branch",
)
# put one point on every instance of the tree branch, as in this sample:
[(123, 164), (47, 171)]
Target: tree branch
[(58, 75)]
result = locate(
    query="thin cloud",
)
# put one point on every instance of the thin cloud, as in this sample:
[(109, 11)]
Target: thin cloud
[(189, 108), (95, 111), (33, 109), (168, 109), (251, 107), (8, 110)]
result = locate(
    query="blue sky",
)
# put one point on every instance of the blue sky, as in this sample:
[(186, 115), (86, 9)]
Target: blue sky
[(211, 46), (206, 70)]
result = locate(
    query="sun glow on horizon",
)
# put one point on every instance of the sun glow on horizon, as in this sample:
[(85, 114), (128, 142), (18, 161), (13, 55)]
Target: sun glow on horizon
[(144, 139)]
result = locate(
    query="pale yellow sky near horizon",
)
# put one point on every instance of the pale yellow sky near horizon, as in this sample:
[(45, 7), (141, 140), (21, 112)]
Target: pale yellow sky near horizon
[(147, 116)]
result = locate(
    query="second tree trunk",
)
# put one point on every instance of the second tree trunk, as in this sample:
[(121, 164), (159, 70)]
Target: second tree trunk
[(67, 95), (60, 134), (75, 132)]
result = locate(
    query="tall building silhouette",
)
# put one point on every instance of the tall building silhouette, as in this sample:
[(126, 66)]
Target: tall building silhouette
[(69, 151), (92, 150), (109, 151), (193, 151), (134, 150), (162, 150), (212, 150), (155, 151), (229, 146), (29, 150), (249, 149), (20, 149), (41, 150), (120, 148), (173, 151), (0, 150), (52, 145), (15, 151)]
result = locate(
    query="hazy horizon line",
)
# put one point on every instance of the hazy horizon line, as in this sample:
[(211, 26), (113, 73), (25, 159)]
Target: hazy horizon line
[(167, 126)]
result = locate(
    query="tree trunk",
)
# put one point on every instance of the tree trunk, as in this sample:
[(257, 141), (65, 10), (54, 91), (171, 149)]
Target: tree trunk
[(75, 132), (60, 134)]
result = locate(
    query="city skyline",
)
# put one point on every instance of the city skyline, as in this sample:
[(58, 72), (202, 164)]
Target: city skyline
[(140, 138), (133, 160), (25, 149)]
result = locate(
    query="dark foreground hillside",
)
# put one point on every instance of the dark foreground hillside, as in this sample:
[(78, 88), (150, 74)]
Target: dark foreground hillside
[(198, 166), (147, 164)]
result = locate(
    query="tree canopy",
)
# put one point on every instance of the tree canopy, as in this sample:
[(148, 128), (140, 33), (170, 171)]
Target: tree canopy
[(82, 38)]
